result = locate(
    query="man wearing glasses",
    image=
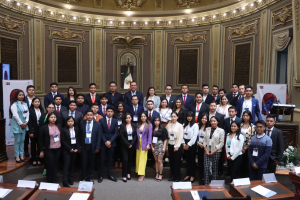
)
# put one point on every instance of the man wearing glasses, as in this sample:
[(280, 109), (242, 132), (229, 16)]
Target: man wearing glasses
[(171, 99), (81, 107), (113, 96)]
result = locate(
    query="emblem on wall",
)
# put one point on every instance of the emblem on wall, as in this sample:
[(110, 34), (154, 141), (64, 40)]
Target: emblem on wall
[(9, 24), (128, 40), (188, 38), (282, 16), (130, 4), (66, 34), (243, 30)]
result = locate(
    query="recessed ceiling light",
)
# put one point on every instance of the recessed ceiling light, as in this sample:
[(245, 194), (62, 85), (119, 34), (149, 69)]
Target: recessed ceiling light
[(214, 16), (170, 22), (122, 22), (259, 0), (51, 13), (251, 4), (203, 18), (28, 7), (87, 19), (234, 11), (111, 22), (40, 10), (157, 22), (134, 23), (243, 8), (99, 20), (188, 11), (74, 18)]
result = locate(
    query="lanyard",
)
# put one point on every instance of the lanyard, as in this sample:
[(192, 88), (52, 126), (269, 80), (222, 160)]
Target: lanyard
[(79, 109), (163, 115), (258, 139), (53, 129)]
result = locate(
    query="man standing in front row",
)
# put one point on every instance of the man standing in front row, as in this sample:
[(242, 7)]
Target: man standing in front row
[(258, 152)]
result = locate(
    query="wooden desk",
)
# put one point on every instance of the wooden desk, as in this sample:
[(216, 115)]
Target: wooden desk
[(17, 193), (61, 194), (295, 179), (242, 191), (175, 194)]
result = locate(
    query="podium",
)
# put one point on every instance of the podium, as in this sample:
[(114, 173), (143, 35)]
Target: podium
[(283, 109)]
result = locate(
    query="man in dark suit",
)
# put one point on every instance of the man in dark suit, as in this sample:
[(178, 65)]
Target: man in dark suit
[(198, 107), (221, 93), (249, 103), (132, 92), (185, 97), (109, 129), (81, 107), (59, 109), (234, 92), (232, 117), (277, 144), (92, 97), (240, 95), (150, 112), (207, 98), (171, 99), (135, 109), (213, 112), (215, 92), (48, 98), (113, 96), (90, 142), (103, 105), (72, 112)]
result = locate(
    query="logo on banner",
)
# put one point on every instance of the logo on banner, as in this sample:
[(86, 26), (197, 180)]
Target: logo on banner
[(267, 103), (7, 83), (261, 87)]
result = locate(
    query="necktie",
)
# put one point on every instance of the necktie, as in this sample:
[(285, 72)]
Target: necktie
[(88, 126), (268, 132), (108, 124), (93, 98), (57, 109), (135, 110), (231, 120), (215, 97), (198, 107), (73, 114), (234, 95), (149, 117), (104, 112), (54, 94), (183, 99)]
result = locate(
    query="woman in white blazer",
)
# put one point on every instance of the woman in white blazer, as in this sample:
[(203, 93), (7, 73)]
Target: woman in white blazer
[(234, 146), (151, 96), (213, 144)]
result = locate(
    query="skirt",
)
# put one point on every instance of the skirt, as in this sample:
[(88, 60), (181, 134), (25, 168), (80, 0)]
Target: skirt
[(158, 147), (141, 159)]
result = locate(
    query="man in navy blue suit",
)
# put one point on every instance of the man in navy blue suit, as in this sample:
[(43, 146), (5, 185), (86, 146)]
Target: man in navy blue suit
[(135, 109), (92, 97), (232, 117), (109, 130), (132, 92), (185, 97), (103, 105), (150, 112), (50, 96), (90, 142), (207, 98), (215, 91), (113, 96), (234, 93), (248, 103)]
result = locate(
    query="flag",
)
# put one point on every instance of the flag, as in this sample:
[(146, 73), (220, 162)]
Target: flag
[(128, 77)]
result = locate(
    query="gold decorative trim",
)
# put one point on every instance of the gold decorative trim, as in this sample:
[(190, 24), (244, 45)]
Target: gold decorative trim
[(297, 14), (282, 16), (9, 24), (130, 4), (188, 3), (188, 38), (243, 30), (65, 34), (128, 40)]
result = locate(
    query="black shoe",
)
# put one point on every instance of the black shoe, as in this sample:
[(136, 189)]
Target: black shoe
[(178, 180), (34, 164), (128, 178), (125, 180), (188, 179), (18, 161), (71, 182), (100, 180), (112, 178), (23, 160), (26, 154), (66, 185), (171, 179)]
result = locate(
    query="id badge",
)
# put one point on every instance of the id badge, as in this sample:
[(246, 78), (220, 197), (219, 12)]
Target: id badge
[(88, 140), (141, 135), (55, 137), (228, 147), (135, 118), (119, 122), (88, 134), (197, 112), (154, 140), (201, 138), (129, 136), (255, 152), (171, 136), (209, 142), (73, 140)]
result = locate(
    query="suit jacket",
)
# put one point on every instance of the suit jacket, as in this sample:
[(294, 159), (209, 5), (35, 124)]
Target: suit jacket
[(255, 109), (62, 109), (217, 139), (67, 101), (139, 110), (227, 126), (230, 97), (124, 136), (146, 137), (112, 133), (171, 101), (88, 99), (209, 99), (100, 112), (117, 98), (96, 135), (44, 137), (277, 144), (204, 108), (154, 113), (27, 102), (181, 115), (189, 99), (78, 118), (127, 98), (218, 97), (66, 139), (32, 123), (83, 108), (48, 98)]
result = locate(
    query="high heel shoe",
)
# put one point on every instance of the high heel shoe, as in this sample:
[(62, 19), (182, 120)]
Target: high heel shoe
[(125, 180), (155, 177), (158, 180), (18, 161), (128, 178), (141, 179), (23, 160)]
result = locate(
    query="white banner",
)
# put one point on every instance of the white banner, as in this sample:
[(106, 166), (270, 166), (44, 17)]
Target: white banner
[(268, 94), (9, 89)]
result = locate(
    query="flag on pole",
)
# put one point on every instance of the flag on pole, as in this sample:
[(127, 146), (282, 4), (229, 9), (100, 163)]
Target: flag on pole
[(128, 77)]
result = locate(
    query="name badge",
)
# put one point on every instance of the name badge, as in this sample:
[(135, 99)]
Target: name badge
[(201, 138), (171, 136), (255, 152), (25, 111), (56, 138), (73, 140), (129, 136), (119, 122), (88, 134), (228, 147), (135, 118), (209, 142), (154, 140), (141, 135), (88, 140), (197, 112)]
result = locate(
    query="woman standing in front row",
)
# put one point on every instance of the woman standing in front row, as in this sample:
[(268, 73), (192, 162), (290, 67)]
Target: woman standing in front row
[(190, 130), (144, 133), (213, 144), (175, 132), (50, 146), (128, 138)]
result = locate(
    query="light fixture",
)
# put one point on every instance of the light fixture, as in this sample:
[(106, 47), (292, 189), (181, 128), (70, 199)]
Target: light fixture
[(122, 22), (146, 23), (51, 13), (259, 0), (128, 13), (134, 23), (214, 16), (111, 22), (40, 10), (193, 19), (188, 11), (224, 14), (28, 7), (87, 19), (74, 18), (69, 7), (243, 8), (251, 4), (234, 11), (63, 16), (7, 0), (18, 4), (157, 22), (203, 18), (98, 20), (180, 21), (170, 22)]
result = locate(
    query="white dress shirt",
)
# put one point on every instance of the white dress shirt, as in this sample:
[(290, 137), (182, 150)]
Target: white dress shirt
[(270, 131), (38, 115), (14, 111), (54, 94), (247, 104), (235, 148), (29, 101), (165, 114), (58, 107), (133, 93), (191, 133), (72, 113), (168, 98), (72, 132), (212, 115)]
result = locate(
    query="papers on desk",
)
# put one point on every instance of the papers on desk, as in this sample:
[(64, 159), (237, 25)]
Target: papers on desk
[(4, 192), (297, 170), (26, 184), (241, 181), (195, 195), (85, 186), (79, 196), (48, 186), (182, 185), (262, 191)]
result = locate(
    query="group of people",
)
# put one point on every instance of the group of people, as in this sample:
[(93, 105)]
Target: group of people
[(208, 130)]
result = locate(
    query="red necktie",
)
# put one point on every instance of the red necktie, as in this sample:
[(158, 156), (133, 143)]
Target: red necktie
[(233, 95), (149, 117), (215, 97), (104, 112), (108, 124), (57, 109), (198, 112), (93, 98), (183, 99)]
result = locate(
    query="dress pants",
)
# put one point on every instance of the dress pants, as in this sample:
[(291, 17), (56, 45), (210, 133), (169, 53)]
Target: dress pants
[(26, 142), (244, 167), (117, 151), (35, 150), (234, 166), (214, 160), (52, 157), (88, 157), (256, 174), (190, 156), (19, 144), (271, 166), (69, 166), (106, 153), (201, 164), (175, 161), (127, 157), (141, 160)]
